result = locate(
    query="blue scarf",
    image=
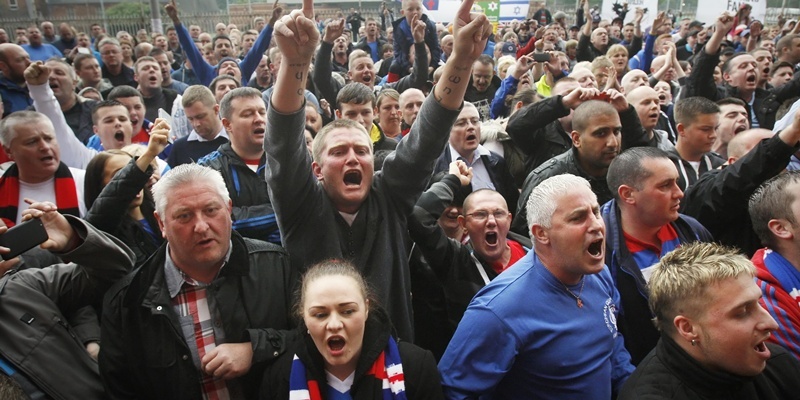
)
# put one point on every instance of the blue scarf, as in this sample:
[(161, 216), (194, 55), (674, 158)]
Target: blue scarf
[(787, 275), (387, 367)]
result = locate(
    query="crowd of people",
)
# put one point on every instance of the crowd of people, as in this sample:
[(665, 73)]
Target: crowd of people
[(354, 208)]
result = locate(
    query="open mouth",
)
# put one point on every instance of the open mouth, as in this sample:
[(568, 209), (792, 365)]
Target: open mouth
[(653, 116), (47, 158), (259, 131), (472, 137), (491, 238), (751, 78), (336, 344), (762, 350), (739, 128), (352, 178), (153, 79), (119, 136), (662, 97), (596, 248), (54, 86)]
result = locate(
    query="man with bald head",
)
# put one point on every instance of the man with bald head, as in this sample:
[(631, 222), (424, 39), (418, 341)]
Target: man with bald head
[(3, 36), (410, 103), (719, 199), (592, 43), (645, 100), (447, 46), (13, 91), (633, 79), (600, 130)]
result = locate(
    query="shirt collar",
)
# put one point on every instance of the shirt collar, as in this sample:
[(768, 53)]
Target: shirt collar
[(195, 137), (479, 152), (176, 278)]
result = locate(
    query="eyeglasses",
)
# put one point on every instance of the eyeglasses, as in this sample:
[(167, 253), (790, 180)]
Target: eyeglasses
[(482, 215)]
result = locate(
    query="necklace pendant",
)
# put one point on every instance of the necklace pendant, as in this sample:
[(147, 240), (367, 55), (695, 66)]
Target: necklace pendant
[(580, 303)]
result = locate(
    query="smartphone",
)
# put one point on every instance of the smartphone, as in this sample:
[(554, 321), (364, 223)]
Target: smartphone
[(23, 237), (541, 57)]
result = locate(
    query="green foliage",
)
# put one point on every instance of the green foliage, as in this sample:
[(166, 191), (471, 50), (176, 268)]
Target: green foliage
[(128, 10)]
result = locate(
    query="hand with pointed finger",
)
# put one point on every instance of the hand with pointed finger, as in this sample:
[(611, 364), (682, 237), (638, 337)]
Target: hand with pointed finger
[(172, 11), (37, 73), (61, 236), (333, 30), (470, 32), (297, 36), (417, 29), (277, 12)]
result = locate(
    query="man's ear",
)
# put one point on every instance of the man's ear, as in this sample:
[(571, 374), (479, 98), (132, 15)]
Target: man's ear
[(216, 109), (780, 228), (8, 151), (576, 139), (539, 234), (226, 123), (136, 77), (338, 114), (462, 222), (625, 193), (681, 128), (317, 170), (686, 328), (160, 224)]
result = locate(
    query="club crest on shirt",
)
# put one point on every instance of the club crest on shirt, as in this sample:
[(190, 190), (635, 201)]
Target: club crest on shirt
[(610, 315)]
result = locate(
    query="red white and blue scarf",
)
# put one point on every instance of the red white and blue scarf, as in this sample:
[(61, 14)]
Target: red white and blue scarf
[(387, 367)]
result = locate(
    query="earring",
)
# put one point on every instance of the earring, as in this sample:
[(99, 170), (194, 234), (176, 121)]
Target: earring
[(694, 342)]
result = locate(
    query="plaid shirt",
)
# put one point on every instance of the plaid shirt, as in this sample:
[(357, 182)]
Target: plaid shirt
[(199, 323)]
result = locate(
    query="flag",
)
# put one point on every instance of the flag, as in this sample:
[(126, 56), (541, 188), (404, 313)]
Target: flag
[(513, 9)]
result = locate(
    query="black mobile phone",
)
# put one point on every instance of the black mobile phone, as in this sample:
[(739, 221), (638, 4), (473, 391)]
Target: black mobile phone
[(541, 57), (23, 237)]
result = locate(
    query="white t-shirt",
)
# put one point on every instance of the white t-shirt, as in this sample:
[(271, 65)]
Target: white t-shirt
[(45, 191)]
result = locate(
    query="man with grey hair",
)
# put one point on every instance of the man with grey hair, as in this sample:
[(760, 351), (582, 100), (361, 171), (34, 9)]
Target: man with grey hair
[(207, 134), (29, 139), (113, 69), (191, 322), (49, 32), (77, 110), (562, 341), (242, 161)]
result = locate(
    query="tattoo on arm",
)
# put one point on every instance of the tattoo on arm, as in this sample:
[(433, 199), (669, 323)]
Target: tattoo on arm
[(455, 79)]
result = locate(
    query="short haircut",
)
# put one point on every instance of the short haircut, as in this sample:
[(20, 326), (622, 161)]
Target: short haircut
[(466, 202), (779, 65), (627, 169), (215, 81), (687, 109), (355, 55), (732, 100), (8, 125), (615, 49), (562, 81), (543, 201), (226, 104), (390, 93), (785, 43), (105, 104), (221, 37), (727, 65), (170, 28), (70, 69), (322, 136), (142, 60), (772, 200), (601, 62), (156, 52), (124, 91), (571, 44), (198, 93), (109, 40), (587, 111), (355, 93), (80, 59), (526, 96), (680, 279), (485, 60), (187, 174)]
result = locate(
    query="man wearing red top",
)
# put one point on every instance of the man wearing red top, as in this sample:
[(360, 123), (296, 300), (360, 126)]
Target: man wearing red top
[(642, 225), (464, 269), (775, 211)]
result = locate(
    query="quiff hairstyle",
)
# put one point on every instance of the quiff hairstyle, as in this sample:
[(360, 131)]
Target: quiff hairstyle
[(320, 141), (687, 109), (198, 93), (680, 279), (543, 201), (627, 169)]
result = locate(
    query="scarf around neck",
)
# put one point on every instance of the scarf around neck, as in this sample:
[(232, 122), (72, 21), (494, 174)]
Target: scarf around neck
[(66, 194), (387, 368)]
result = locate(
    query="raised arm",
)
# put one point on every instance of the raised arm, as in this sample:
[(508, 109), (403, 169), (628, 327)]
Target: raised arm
[(73, 152), (322, 64), (204, 71), (253, 57)]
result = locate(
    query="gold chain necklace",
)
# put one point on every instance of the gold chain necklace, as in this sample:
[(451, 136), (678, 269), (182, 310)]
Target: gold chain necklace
[(580, 292)]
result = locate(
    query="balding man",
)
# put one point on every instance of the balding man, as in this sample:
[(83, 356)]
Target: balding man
[(410, 103), (633, 79), (600, 130), (13, 61), (36, 48), (3, 36), (719, 198), (645, 100)]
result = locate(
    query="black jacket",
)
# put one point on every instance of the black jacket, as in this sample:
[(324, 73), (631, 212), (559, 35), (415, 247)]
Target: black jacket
[(719, 199), (461, 272), (422, 379), (537, 131), (498, 172), (633, 135), (363, 45), (145, 355), (701, 83), (668, 372), (109, 212), (686, 173), (253, 215), (635, 318)]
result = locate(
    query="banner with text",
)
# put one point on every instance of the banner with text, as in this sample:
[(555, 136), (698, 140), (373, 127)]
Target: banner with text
[(709, 10)]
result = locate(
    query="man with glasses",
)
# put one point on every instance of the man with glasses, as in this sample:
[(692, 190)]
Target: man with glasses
[(113, 69), (463, 269)]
